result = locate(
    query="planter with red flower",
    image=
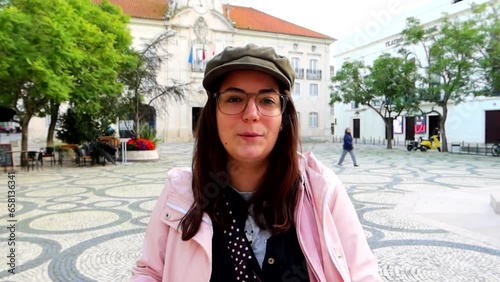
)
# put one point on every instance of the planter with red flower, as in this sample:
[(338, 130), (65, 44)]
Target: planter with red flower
[(141, 149)]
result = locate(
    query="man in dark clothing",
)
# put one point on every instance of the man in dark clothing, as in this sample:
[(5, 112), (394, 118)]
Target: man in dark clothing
[(348, 148)]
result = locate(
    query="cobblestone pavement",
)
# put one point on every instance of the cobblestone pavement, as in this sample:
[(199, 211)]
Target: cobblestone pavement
[(426, 215)]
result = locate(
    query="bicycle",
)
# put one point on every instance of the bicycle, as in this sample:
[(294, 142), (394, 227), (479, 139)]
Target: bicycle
[(495, 150)]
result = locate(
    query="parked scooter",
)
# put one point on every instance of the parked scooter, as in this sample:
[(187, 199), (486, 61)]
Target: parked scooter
[(424, 144)]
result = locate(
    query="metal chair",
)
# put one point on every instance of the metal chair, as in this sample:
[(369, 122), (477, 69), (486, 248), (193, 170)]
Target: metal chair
[(31, 159), (47, 152)]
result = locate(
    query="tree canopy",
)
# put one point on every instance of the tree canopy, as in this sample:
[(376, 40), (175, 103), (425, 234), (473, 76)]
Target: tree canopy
[(70, 52), (387, 87), (454, 58)]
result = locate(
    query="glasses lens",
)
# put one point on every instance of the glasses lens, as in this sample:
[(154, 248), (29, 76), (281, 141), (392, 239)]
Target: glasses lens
[(232, 102), (269, 104)]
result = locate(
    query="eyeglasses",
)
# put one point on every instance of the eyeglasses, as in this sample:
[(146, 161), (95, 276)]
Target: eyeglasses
[(268, 103)]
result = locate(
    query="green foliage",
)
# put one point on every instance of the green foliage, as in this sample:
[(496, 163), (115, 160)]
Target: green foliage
[(389, 83), (73, 51), (148, 132), (78, 127), (458, 58)]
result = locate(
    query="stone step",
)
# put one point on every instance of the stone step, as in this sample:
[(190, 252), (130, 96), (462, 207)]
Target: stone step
[(495, 201)]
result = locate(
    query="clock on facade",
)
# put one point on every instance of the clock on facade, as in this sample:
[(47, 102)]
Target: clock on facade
[(202, 6)]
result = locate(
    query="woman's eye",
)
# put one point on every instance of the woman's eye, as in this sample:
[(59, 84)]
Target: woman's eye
[(233, 99)]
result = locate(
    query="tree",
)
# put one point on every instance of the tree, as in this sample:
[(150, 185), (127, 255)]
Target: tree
[(49, 56), (488, 60), (105, 38), (387, 87), (78, 127), (448, 62), (144, 85)]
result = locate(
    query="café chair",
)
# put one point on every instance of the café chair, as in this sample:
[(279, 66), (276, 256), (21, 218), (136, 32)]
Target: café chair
[(30, 159), (47, 152)]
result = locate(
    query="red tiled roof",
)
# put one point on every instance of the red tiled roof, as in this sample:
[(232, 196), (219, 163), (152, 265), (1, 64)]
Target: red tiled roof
[(143, 9), (249, 18), (244, 17)]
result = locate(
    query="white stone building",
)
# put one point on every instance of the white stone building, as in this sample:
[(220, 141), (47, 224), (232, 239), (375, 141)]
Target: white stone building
[(474, 121), (203, 28)]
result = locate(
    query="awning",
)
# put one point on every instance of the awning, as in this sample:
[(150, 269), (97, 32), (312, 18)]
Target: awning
[(6, 114)]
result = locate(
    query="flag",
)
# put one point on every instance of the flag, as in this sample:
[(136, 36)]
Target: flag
[(190, 60)]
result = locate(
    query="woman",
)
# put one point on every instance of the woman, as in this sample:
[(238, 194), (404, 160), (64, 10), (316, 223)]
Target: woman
[(252, 208), (348, 148)]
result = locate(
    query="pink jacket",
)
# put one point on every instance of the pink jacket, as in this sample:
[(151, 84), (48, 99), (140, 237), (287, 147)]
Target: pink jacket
[(328, 229)]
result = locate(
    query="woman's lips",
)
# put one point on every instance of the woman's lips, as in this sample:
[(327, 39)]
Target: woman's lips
[(250, 135)]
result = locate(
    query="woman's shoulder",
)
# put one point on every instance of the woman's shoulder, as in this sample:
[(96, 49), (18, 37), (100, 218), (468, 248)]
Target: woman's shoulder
[(179, 181), (317, 172)]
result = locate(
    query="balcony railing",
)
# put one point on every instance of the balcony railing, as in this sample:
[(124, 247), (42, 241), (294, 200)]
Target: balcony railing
[(313, 74), (299, 73)]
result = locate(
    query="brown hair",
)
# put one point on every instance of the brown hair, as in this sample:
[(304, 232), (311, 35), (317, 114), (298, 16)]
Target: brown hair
[(274, 205)]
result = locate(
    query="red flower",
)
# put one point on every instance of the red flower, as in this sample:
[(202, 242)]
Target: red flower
[(141, 144)]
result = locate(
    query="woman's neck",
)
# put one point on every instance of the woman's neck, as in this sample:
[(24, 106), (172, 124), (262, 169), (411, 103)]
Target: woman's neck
[(246, 177)]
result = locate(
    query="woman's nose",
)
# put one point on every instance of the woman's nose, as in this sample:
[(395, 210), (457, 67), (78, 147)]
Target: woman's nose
[(251, 112)]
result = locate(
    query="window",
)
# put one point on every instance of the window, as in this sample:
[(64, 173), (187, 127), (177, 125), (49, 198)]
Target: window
[(313, 89), (299, 72), (354, 105), (296, 89), (313, 64), (313, 72), (313, 120)]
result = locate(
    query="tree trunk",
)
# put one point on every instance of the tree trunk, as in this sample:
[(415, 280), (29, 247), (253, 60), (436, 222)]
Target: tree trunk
[(388, 130), (136, 125), (24, 136), (442, 122), (54, 114), (136, 117)]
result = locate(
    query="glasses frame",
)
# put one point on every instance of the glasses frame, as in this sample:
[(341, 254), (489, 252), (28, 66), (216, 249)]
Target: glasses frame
[(283, 98)]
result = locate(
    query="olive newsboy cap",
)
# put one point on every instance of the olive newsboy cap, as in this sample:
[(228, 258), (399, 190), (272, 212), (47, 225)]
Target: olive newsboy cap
[(249, 57)]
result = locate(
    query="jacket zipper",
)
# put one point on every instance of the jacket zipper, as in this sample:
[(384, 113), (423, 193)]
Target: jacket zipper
[(328, 243)]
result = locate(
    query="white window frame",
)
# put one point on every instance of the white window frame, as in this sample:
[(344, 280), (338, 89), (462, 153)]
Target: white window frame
[(313, 120), (313, 90), (296, 89), (295, 62), (313, 65)]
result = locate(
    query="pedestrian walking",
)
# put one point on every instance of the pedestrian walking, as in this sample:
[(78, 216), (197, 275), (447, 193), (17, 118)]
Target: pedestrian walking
[(252, 207), (348, 147)]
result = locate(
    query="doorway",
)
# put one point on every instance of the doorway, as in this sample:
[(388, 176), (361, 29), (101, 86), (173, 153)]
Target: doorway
[(410, 128), (433, 124), (356, 128), (492, 127)]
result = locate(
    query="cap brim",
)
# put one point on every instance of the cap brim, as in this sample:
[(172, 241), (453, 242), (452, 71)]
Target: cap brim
[(218, 72)]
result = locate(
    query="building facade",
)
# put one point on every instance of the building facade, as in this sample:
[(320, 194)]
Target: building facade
[(202, 28), (476, 120)]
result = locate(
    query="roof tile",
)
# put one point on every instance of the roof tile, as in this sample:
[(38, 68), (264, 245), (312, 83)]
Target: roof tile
[(143, 9), (249, 18)]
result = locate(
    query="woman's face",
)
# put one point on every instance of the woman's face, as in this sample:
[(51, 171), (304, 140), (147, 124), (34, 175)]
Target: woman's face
[(248, 137)]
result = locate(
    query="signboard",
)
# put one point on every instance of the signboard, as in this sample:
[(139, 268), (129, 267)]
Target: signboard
[(420, 125), (398, 125), (6, 155)]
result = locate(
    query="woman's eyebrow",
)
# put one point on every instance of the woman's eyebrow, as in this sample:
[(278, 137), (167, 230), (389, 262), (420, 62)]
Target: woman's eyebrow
[(264, 90)]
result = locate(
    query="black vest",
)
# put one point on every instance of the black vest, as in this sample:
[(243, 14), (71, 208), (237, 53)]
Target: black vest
[(284, 259)]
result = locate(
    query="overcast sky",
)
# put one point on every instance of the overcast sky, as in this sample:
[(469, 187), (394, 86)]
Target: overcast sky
[(333, 17)]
